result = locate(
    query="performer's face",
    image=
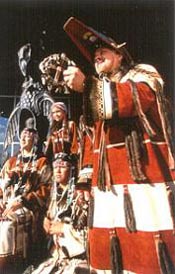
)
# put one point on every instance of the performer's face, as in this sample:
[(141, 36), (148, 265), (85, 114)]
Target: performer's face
[(58, 114), (27, 139), (106, 60), (61, 172)]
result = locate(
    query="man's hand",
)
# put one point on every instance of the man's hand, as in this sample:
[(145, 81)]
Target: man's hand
[(74, 78)]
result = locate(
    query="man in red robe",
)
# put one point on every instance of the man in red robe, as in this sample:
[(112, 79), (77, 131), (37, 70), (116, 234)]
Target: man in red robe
[(132, 218)]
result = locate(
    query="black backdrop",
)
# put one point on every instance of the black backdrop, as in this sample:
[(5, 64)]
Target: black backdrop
[(147, 27)]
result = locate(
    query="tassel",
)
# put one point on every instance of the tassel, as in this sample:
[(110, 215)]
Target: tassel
[(137, 155), (91, 212), (171, 200), (130, 158), (133, 154), (104, 178), (164, 259), (101, 172), (115, 253), (140, 112), (167, 129), (129, 212)]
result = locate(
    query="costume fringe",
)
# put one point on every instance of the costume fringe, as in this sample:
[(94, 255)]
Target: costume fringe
[(81, 135), (103, 179), (162, 108), (133, 154), (167, 130), (115, 254), (140, 112), (91, 212), (129, 212), (164, 259), (171, 200), (101, 170)]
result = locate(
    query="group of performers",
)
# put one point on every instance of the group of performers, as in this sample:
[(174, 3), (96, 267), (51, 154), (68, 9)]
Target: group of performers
[(99, 196)]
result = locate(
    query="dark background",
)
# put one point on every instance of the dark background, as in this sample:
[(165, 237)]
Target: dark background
[(147, 27)]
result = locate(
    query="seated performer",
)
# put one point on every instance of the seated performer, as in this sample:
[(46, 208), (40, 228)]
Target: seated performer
[(65, 222), (24, 194), (63, 133)]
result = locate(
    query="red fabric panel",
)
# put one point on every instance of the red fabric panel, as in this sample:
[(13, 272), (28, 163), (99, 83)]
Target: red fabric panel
[(87, 152), (154, 165), (99, 248), (126, 106), (138, 250)]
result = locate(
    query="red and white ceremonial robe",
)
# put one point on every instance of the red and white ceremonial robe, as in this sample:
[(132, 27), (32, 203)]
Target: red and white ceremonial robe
[(138, 249), (143, 251)]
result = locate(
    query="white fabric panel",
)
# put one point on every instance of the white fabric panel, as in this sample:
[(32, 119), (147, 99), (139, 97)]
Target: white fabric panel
[(150, 204), (13, 234), (107, 207), (107, 99), (73, 240)]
